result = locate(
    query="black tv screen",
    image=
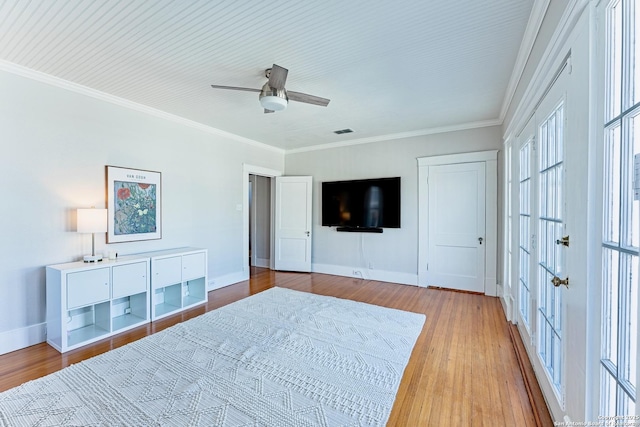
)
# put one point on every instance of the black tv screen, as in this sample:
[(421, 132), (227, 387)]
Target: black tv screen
[(365, 203)]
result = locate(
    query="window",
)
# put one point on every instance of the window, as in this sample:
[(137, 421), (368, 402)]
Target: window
[(621, 221)]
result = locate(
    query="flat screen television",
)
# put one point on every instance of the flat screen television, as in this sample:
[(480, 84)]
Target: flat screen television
[(361, 205)]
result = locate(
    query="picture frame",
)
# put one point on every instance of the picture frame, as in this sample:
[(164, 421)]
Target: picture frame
[(134, 204)]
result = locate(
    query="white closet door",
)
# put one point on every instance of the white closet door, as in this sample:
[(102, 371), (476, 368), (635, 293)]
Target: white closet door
[(457, 226)]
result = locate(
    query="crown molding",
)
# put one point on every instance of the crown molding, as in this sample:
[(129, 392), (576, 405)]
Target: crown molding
[(536, 18), (555, 54), (19, 70), (394, 136)]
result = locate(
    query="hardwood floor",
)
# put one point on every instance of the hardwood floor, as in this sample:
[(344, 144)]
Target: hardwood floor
[(463, 370)]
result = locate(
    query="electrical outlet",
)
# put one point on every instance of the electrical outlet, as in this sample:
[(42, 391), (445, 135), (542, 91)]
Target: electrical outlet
[(371, 266)]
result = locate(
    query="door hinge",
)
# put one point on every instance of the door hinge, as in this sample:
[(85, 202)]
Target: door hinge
[(533, 241)]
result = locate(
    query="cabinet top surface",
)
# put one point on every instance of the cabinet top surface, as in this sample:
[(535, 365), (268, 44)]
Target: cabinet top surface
[(105, 263), (125, 259), (169, 252)]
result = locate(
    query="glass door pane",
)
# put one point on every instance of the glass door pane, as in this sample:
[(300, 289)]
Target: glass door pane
[(525, 234), (550, 253)]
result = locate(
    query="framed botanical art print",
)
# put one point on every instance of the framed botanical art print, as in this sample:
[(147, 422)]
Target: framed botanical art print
[(134, 203)]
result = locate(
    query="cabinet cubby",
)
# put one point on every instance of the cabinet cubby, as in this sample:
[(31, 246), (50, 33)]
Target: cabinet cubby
[(167, 300), (87, 323), (194, 291), (129, 311)]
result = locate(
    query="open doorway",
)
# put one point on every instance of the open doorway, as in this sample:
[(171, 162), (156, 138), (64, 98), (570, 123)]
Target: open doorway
[(248, 193), (259, 221)]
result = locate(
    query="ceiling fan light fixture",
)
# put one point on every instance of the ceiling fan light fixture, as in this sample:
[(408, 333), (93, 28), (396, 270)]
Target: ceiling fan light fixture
[(273, 99), (273, 103)]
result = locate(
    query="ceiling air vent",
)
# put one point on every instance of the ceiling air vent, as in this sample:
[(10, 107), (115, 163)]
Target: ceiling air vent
[(341, 131)]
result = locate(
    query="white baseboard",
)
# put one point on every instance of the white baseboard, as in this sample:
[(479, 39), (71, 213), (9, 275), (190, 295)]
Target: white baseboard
[(507, 302), (491, 287), (35, 334), (367, 274), (336, 270), (262, 262), (226, 280), (16, 339)]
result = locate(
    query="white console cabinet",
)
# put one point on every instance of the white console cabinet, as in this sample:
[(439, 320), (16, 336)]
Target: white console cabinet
[(178, 280), (88, 302)]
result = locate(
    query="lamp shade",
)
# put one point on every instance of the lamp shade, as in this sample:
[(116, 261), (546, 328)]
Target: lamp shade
[(92, 220)]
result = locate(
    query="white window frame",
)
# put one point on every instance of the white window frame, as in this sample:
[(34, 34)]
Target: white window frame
[(620, 225)]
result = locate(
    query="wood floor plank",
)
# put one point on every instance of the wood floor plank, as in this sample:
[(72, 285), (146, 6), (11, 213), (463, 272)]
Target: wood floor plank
[(463, 370)]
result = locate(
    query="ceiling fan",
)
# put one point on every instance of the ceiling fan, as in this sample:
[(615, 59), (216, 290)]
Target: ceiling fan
[(273, 96)]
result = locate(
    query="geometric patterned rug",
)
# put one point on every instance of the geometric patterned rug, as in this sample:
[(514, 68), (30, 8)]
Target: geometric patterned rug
[(277, 358)]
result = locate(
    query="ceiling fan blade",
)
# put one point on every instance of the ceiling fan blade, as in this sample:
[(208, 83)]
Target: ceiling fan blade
[(278, 77), (246, 89), (268, 111), (309, 99)]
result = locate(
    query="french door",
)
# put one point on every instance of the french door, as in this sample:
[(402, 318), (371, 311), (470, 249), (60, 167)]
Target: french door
[(542, 248)]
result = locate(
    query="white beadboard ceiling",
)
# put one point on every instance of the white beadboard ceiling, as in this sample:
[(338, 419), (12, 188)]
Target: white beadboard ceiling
[(389, 67)]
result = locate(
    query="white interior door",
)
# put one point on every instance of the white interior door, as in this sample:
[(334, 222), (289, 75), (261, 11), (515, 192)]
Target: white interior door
[(293, 223), (457, 226)]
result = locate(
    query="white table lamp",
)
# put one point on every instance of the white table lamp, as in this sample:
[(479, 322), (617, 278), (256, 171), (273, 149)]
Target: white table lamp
[(92, 221)]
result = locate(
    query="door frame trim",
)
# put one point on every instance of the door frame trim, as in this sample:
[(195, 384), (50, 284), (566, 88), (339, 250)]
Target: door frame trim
[(247, 170), (449, 159), (490, 157)]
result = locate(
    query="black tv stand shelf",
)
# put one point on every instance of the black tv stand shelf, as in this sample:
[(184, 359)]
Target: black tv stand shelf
[(360, 229)]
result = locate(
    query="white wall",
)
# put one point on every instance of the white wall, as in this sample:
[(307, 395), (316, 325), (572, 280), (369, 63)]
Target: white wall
[(55, 144), (392, 255)]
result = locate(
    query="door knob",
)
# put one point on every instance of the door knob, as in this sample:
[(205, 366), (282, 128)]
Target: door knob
[(308, 233), (558, 281), (564, 241), (480, 239)]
